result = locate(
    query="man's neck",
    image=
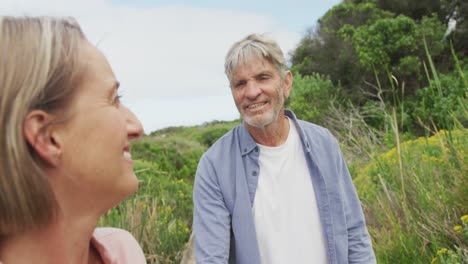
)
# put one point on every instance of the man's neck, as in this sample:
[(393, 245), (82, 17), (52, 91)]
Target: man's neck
[(272, 135)]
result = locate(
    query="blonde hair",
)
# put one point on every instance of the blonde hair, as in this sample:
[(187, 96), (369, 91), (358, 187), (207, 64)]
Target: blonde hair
[(38, 70), (252, 46)]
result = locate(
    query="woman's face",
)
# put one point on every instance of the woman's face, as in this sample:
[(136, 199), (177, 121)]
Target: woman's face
[(95, 159)]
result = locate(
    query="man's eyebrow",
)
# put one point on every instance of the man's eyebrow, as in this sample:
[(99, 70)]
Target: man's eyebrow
[(265, 72)]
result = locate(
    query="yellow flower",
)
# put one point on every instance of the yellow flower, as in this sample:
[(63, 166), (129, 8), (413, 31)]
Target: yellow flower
[(181, 194), (464, 219), (457, 228), (434, 260), (441, 251)]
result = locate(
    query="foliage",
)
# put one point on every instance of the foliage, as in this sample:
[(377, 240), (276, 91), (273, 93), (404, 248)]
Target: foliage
[(377, 44), (311, 95), (209, 136), (414, 192), (396, 45), (206, 134), (414, 9), (159, 215), (443, 100), (352, 14), (460, 252), (357, 39), (329, 52), (176, 155)]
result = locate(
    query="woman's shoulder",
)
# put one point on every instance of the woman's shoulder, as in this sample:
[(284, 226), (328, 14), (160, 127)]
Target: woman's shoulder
[(117, 246)]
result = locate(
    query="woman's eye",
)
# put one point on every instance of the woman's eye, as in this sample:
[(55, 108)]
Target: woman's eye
[(117, 99)]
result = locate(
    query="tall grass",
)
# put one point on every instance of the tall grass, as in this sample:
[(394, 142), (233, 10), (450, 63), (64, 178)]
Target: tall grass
[(414, 193), (411, 211)]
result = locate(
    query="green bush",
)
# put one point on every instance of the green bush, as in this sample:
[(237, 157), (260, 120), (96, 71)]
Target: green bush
[(210, 135), (311, 96), (443, 101), (173, 154)]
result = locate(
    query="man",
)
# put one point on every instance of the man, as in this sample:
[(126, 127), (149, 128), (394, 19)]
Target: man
[(274, 189)]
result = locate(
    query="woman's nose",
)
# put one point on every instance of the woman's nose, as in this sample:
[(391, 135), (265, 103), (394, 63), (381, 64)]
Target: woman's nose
[(134, 127)]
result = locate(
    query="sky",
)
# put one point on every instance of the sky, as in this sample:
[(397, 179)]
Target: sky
[(169, 55)]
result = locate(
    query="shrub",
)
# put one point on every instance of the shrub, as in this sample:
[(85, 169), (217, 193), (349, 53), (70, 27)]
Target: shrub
[(210, 135), (176, 155), (443, 100), (311, 96)]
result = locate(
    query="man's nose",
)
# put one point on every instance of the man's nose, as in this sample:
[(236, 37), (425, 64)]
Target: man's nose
[(253, 90)]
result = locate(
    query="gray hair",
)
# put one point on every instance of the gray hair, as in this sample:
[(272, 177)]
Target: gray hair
[(255, 45), (39, 69)]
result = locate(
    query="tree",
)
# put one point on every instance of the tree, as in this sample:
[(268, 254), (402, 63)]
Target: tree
[(413, 9), (326, 52), (356, 40)]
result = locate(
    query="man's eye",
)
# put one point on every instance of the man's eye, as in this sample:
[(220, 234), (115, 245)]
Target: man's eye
[(239, 84)]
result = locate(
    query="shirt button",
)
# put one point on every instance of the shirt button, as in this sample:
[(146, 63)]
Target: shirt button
[(254, 173)]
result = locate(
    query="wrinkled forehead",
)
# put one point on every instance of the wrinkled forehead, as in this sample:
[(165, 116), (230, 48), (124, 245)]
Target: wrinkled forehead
[(256, 61), (249, 53)]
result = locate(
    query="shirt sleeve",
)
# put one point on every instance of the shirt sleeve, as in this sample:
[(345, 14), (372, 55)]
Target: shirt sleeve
[(359, 242), (211, 218)]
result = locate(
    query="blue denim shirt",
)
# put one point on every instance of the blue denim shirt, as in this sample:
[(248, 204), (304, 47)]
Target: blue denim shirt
[(224, 192)]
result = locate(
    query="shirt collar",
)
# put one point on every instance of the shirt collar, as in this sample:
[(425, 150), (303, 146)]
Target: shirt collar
[(300, 130), (103, 251), (248, 144)]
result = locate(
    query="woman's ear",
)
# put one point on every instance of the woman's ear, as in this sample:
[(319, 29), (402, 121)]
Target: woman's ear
[(41, 137)]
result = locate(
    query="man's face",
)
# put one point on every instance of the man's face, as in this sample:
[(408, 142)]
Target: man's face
[(259, 91)]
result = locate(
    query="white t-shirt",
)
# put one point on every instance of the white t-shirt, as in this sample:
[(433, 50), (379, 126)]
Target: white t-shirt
[(286, 215)]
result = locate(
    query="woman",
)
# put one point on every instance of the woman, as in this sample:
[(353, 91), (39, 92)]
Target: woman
[(64, 147)]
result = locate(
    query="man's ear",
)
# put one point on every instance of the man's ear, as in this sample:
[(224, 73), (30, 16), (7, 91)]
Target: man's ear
[(41, 136), (288, 81)]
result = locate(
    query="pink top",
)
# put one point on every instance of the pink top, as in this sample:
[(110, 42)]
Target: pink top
[(117, 246)]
